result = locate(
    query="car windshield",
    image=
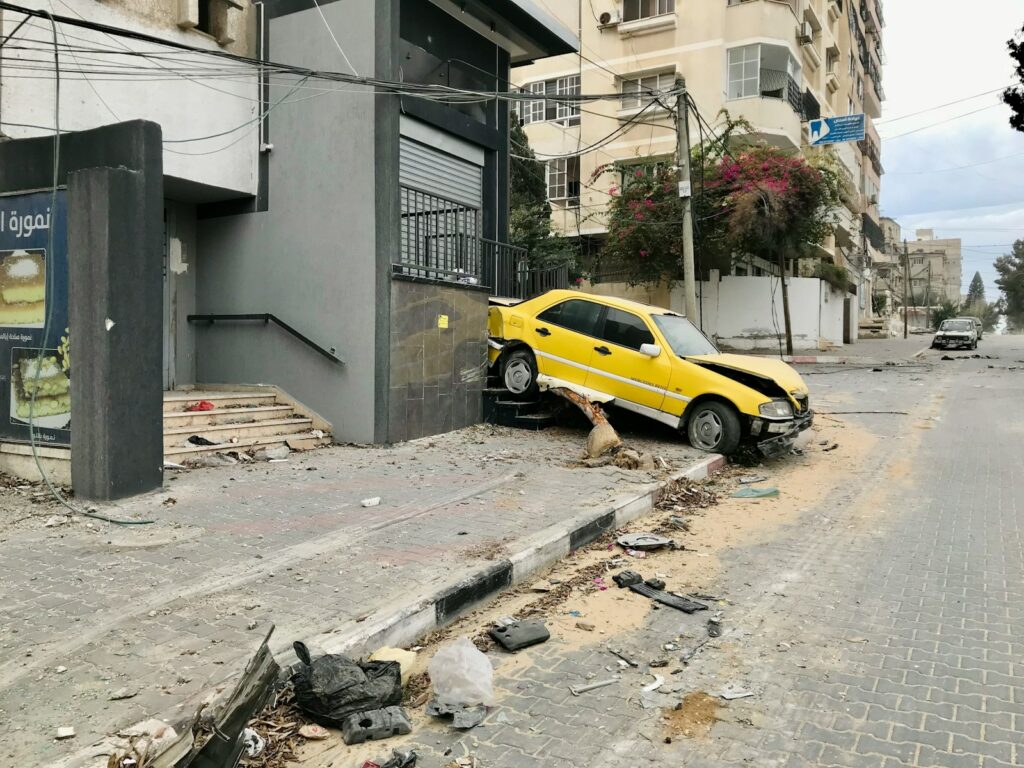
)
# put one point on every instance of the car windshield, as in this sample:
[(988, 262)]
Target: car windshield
[(683, 336), (956, 325)]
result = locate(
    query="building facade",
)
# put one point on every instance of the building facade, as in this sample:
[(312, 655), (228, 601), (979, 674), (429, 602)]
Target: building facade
[(936, 269), (372, 222), (775, 63)]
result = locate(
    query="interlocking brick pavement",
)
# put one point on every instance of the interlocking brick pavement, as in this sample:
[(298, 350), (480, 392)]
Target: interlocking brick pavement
[(882, 630)]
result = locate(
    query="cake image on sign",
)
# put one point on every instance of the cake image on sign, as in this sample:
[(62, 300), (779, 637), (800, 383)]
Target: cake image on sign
[(40, 374), (22, 288)]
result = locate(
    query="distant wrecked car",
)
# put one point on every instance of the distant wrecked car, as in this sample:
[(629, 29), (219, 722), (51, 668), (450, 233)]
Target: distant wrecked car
[(960, 332), (650, 361)]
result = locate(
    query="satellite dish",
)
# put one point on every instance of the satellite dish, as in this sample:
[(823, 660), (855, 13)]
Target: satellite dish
[(606, 18)]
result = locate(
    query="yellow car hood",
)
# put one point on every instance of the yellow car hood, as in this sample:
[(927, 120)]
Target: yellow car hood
[(781, 373)]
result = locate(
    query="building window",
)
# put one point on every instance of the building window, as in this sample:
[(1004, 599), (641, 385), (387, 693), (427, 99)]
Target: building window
[(634, 10), (568, 111), (917, 262), (552, 108), (217, 18), (744, 71), (564, 180), (640, 92), (849, 106)]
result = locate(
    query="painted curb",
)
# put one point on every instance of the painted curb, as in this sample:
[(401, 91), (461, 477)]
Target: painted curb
[(401, 624), (406, 621)]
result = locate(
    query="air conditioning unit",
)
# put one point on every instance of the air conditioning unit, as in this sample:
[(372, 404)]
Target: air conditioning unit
[(806, 33), (611, 18), (872, 199)]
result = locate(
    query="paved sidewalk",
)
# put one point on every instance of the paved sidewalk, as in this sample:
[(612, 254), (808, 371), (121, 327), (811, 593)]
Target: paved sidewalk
[(171, 609)]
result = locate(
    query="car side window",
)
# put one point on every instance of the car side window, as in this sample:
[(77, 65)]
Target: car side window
[(575, 315), (626, 329)]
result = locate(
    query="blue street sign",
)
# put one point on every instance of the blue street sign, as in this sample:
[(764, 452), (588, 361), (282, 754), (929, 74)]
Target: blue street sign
[(834, 130)]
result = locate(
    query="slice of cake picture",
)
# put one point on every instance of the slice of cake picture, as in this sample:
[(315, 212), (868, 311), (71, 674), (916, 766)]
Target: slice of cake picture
[(22, 288), (40, 373)]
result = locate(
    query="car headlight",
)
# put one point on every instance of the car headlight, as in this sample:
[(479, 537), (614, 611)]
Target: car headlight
[(776, 409)]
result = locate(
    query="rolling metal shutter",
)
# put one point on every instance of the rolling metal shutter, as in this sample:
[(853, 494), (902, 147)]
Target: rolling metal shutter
[(439, 173)]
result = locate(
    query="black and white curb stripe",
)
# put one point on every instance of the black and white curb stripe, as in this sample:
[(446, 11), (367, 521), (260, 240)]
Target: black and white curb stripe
[(400, 625)]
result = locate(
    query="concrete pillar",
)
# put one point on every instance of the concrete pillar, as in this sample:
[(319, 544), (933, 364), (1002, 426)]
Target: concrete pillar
[(114, 307)]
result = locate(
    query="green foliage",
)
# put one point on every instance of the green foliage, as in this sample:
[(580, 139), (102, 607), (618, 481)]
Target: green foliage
[(834, 275), (529, 222), (976, 291), (1014, 96), (1011, 283), (987, 313), (944, 311), (755, 200)]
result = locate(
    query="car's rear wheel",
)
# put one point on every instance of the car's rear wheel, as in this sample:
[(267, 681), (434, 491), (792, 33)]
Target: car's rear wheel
[(714, 427), (519, 373)]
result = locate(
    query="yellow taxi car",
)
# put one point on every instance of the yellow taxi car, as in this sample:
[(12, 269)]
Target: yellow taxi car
[(650, 361)]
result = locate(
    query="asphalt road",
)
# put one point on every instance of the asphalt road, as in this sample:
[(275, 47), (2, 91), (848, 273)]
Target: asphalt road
[(881, 626)]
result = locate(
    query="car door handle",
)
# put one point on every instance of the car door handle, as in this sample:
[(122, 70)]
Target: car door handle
[(543, 332), (602, 350)]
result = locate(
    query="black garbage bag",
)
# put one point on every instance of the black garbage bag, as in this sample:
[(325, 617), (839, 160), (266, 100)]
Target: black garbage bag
[(333, 686)]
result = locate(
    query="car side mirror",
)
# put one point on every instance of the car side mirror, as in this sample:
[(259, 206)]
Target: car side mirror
[(651, 350)]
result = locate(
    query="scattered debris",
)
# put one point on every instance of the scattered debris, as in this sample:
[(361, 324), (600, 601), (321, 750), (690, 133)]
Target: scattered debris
[(584, 626), (211, 460), (461, 675), (252, 742), (122, 693), (715, 626), (731, 693), (644, 541), (398, 759), (756, 493), (65, 732), (277, 453), (464, 716), (302, 444), (658, 663), (200, 440), (314, 732), (404, 658), (831, 447), (375, 501), (751, 479), (520, 634), (655, 583), (202, 405), (60, 670), (624, 657), (627, 578), (173, 465), (658, 682), (360, 727), (577, 690), (332, 686), (55, 520)]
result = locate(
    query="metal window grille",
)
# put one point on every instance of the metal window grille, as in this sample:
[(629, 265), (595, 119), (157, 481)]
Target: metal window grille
[(440, 238), (637, 93)]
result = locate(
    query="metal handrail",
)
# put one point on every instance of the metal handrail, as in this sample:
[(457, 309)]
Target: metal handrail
[(267, 318)]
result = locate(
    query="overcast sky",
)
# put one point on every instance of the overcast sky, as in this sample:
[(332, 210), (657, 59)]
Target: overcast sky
[(939, 52)]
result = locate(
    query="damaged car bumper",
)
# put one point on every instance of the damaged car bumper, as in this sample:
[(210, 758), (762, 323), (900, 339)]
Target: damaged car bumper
[(774, 437)]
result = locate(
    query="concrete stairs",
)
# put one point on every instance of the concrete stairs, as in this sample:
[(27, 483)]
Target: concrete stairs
[(242, 420), (873, 329), (501, 407)]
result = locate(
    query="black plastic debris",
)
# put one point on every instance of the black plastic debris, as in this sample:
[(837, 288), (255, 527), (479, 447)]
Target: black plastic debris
[(520, 634), (361, 727), (683, 604), (627, 578), (401, 759), (331, 687), (655, 583), (463, 716), (644, 541)]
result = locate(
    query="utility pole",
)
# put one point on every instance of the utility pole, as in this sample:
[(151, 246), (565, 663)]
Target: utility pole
[(685, 195), (785, 300), (906, 282), (928, 297)]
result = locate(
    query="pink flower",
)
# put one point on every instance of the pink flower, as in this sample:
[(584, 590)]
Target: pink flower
[(649, 203), (613, 191), (639, 173), (638, 216), (643, 254)]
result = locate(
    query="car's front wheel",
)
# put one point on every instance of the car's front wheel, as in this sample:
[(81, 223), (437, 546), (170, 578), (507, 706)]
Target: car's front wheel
[(714, 427), (519, 373)]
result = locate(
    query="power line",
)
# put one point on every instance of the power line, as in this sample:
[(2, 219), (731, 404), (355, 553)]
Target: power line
[(940, 106), (941, 122), (331, 33), (954, 168)]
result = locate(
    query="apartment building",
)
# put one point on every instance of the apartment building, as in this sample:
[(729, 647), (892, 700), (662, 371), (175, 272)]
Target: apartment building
[(936, 269), (776, 63), (888, 268)]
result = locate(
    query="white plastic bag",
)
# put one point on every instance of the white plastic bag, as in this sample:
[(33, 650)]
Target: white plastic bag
[(462, 675)]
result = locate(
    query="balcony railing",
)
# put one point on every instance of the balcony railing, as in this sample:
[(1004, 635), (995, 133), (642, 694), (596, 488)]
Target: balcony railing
[(441, 241), (811, 108), (777, 84)]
